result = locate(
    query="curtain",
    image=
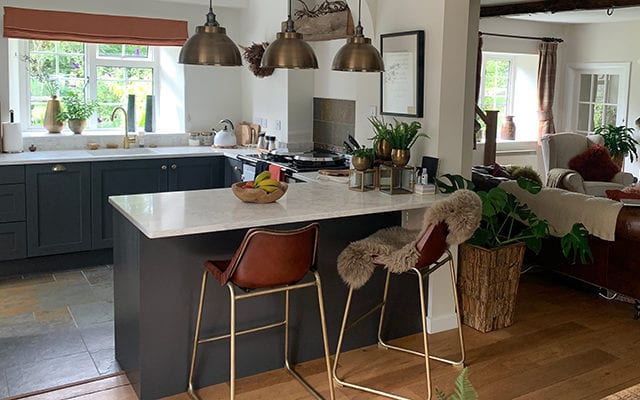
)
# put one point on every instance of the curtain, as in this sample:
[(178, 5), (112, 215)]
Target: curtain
[(547, 52), (23, 23)]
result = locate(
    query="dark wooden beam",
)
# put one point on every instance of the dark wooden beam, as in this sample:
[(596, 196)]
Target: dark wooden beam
[(533, 7)]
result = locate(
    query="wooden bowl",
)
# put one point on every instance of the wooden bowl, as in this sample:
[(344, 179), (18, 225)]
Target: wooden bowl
[(253, 195)]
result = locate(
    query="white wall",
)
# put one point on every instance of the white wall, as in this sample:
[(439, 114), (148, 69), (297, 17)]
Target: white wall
[(210, 93)]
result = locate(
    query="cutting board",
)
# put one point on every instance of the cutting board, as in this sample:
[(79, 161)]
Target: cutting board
[(247, 133), (334, 172)]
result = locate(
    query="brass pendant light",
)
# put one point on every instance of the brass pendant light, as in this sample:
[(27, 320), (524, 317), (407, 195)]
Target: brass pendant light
[(210, 45), (289, 50), (358, 55)]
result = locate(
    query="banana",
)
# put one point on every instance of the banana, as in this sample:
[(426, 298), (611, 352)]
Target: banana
[(260, 177), (266, 182), (269, 188)]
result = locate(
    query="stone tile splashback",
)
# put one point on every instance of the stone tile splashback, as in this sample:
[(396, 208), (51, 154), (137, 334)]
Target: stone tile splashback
[(333, 121), (70, 141)]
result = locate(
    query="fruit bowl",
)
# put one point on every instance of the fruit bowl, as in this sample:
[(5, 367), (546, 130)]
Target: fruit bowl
[(254, 195)]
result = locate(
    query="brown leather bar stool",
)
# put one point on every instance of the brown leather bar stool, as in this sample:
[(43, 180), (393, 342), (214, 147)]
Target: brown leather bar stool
[(266, 262), (432, 252)]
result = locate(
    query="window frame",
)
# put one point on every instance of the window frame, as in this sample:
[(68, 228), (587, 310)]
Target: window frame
[(92, 61), (486, 56)]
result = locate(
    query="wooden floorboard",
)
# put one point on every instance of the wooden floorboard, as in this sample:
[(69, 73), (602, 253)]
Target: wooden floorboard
[(565, 344)]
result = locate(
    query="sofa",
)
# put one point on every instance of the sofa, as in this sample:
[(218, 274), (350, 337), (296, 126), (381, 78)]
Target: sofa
[(615, 232)]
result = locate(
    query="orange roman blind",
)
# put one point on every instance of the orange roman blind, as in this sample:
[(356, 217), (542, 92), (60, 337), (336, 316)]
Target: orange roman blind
[(23, 23)]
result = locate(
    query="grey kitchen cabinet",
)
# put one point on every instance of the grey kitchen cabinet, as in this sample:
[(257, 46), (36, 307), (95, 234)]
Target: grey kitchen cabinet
[(112, 178), (13, 231), (58, 199), (232, 171)]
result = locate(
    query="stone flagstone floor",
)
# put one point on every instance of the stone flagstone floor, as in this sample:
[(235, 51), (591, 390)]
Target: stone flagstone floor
[(55, 329)]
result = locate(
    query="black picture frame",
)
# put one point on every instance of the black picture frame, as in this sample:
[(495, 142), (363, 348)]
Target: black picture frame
[(402, 82)]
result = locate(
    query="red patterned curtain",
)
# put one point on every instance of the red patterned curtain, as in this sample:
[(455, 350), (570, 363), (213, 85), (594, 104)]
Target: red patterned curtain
[(547, 52)]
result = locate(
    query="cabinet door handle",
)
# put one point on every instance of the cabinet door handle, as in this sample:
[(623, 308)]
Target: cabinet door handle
[(58, 168), (164, 168), (236, 168), (174, 167)]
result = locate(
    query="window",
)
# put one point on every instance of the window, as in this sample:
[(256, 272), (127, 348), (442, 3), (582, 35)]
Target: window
[(111, 74), (509, 85)]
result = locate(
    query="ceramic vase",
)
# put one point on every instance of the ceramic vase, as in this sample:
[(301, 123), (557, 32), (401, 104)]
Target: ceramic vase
[(51, 122), (77, 125), (508, 129), (400, 157)]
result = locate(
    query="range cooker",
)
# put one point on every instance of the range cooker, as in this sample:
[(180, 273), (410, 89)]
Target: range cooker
[(292, 163)]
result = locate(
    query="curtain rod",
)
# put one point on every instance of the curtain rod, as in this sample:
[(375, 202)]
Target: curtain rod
[(544, 39)]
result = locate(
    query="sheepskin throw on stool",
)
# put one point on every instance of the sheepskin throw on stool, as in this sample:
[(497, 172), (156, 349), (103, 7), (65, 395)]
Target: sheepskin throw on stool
[(395, 247)]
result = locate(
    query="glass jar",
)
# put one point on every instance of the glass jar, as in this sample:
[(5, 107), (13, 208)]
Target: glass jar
[(207, 138), (194, 138)]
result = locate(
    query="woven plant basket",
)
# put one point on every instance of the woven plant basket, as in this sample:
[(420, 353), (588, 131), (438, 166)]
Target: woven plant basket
[(488, 284)]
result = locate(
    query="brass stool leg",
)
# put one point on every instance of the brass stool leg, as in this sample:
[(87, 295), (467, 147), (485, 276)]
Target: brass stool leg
[(425, 337), (384, 304), (325, 339), (232, 343), (286, 331), (340, 337), (454, 284), (196, 337)]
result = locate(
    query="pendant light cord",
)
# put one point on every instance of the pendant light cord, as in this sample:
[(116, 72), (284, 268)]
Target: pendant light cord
[(359, 29), (290, 27), (211, 17)]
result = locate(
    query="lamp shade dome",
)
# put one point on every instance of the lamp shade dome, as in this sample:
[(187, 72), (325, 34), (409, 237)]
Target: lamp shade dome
[(358, 55), (289, 51), (210, 46)]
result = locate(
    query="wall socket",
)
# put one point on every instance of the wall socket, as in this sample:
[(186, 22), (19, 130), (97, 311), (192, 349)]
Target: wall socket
[(373, 110), (278, 125)]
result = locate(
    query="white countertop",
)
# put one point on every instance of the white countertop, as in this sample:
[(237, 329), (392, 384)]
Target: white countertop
[(134, 153), (185, 213)]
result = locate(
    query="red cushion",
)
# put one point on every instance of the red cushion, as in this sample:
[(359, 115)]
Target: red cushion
[(594, 164), (619, 194)]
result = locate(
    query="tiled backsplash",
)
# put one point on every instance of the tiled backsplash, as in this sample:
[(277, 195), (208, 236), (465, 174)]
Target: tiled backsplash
[(69, 141), (333, 121)]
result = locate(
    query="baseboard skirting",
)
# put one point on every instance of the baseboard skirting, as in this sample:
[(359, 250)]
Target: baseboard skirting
[(442, 323)]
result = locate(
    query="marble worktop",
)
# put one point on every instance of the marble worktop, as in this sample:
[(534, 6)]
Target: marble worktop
[(173, 214), (134, 153)]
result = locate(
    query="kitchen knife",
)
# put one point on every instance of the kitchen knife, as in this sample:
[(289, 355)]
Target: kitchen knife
[(354, 142), (348, 148)]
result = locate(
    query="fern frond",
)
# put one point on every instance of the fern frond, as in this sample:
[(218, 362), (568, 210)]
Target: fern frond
[(464, 390)]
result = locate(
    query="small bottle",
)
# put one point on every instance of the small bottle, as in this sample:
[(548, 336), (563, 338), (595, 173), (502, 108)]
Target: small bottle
[(424, 177), (141, 138), (272, 143), (262, 142)]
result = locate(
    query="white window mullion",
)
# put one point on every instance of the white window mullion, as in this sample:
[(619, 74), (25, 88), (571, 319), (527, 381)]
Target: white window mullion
[(92, 87)]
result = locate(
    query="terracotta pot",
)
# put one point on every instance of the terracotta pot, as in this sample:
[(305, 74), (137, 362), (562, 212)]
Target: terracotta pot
[(400, 157), (51, 122), (383, 150), (77, 125), (508, 129), (361, 163)]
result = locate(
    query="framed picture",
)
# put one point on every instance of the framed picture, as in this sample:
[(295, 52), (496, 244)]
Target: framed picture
[(402, 82)]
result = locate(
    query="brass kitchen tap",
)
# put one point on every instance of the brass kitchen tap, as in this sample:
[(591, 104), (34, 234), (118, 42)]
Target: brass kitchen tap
[(127, 139)]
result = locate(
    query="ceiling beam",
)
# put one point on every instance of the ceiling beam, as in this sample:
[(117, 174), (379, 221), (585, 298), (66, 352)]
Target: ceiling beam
[(533, 7)]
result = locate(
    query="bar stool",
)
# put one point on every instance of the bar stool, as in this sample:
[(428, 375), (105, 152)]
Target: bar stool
[(266, 262), (432, 252)]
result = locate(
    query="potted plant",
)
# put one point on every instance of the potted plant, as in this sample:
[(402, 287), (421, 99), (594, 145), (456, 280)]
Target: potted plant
[(381, 142), (402, 137), (76, 111), (619, 141), (39, 70), (362, 158), (491, 261)]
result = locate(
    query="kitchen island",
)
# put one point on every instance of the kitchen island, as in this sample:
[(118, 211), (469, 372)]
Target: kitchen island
[(161, 242)]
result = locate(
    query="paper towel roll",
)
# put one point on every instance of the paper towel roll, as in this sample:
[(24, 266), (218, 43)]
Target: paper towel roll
[(11, 137)]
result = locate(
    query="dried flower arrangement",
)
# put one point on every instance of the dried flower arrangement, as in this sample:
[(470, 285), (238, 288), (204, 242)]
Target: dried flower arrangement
[(253, 55)]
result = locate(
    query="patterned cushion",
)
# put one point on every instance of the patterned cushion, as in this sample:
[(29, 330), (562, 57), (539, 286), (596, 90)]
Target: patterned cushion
[(594, 164)]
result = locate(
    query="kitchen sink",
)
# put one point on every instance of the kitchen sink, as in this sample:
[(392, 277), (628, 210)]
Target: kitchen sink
[(120, 152)]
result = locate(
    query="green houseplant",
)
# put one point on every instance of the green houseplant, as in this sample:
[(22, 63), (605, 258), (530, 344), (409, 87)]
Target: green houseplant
[(40, 70), (619, 141), (380, 139), (464, 390), (76, 111), (401, 136), (362, 158), (491, 261)]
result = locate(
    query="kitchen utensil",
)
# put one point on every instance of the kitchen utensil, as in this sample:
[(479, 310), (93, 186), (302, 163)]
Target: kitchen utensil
[(347, 147), (256, 131), (354, 142), (334, 172), (224, 137)]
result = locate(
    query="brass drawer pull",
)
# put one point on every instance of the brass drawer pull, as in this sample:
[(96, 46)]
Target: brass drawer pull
[(164, 168), (58, 168), (174, 167)]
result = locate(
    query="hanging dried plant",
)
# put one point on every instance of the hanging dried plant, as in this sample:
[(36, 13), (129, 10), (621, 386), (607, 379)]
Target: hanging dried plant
[(253, 55), (324, 8)]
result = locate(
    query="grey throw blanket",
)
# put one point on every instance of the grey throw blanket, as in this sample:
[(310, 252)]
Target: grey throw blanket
[(556, 175)]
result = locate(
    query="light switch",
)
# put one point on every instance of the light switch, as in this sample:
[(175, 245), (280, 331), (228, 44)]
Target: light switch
[(373, 110)]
